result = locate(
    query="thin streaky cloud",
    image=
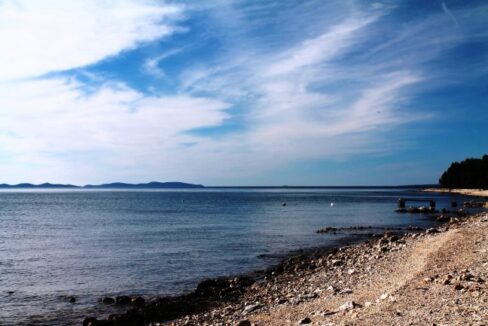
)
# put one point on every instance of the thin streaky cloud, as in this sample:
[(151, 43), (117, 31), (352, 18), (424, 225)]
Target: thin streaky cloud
[(237, 92)]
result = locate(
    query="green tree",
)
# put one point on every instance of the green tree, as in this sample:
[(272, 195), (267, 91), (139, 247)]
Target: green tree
[(470, 173)]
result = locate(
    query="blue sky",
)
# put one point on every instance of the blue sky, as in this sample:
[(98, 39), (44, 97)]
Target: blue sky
[(241, 92)]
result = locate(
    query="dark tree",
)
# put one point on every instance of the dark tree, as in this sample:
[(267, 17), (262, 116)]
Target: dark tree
[(470, 173)]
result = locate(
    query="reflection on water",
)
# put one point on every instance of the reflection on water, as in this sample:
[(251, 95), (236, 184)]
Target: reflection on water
[(54, 244)]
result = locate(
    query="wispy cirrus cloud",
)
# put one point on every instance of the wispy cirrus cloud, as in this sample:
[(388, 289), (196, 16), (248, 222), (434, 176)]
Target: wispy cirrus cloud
[(152, 65), (249, 89)]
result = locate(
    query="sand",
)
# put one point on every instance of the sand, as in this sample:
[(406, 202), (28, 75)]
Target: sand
[(468, 192)]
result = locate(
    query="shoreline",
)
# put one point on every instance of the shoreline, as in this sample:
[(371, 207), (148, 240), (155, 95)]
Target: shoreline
[(466, 192), (228, 301)]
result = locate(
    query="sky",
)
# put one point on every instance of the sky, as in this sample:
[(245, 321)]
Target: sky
[(244, 92)]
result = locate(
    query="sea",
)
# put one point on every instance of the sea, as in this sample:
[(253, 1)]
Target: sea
[(89, 244)]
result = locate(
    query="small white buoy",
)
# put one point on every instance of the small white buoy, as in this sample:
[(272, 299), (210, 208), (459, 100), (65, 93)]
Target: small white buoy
[(331, 204)]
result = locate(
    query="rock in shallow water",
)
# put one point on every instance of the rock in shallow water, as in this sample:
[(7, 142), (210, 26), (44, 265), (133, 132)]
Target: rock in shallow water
[(138, 301), (123, 299), (108, 300)]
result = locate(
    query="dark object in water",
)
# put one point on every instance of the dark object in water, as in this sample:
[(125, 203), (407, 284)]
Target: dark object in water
[(402, 201), (72, 299), (327, 229), (108, 300), (443, 219), (474, 204), (138, 301), (123, 299)]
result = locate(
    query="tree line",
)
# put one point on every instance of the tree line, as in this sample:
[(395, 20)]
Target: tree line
[(470, 173)]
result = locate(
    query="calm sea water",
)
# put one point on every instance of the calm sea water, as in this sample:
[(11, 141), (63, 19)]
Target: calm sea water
[(89, 244)]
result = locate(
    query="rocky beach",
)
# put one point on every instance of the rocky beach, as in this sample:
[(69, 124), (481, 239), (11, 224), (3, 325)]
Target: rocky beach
[(418, 277), (468, 192)]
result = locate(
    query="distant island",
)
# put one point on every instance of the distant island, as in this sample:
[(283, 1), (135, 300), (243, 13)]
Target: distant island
[(183, 185), (114, 185)]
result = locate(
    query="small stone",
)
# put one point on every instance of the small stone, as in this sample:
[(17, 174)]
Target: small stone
[(384, 296), (337, 262), (346, 291), (458, 286), (251, 307), (349, 305), (138, 301), (304, 321), (108, 300), (89, 320), (309, 296), (351, 271)]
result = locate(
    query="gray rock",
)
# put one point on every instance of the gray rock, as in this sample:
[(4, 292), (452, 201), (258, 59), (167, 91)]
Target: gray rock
[(108, 300), (349, 305), (251, 307), (138, 301), (123, 299)]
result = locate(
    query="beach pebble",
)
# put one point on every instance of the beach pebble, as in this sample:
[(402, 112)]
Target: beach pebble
[(349, 305), (458, 286), (346, 291), (337, 262), (251, 307)]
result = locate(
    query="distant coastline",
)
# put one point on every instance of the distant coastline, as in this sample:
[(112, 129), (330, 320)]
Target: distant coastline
[(114, 185), (177, 185)]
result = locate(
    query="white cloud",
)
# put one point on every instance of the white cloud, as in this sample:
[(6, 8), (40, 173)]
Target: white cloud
[(293, 113), (298, 102), (38, 37), (114, 126), (319, 49), (152, 65)]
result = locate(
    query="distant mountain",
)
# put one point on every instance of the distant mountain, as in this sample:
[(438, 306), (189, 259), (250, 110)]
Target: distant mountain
[(150, 185), (43, 185), (115, 185)]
